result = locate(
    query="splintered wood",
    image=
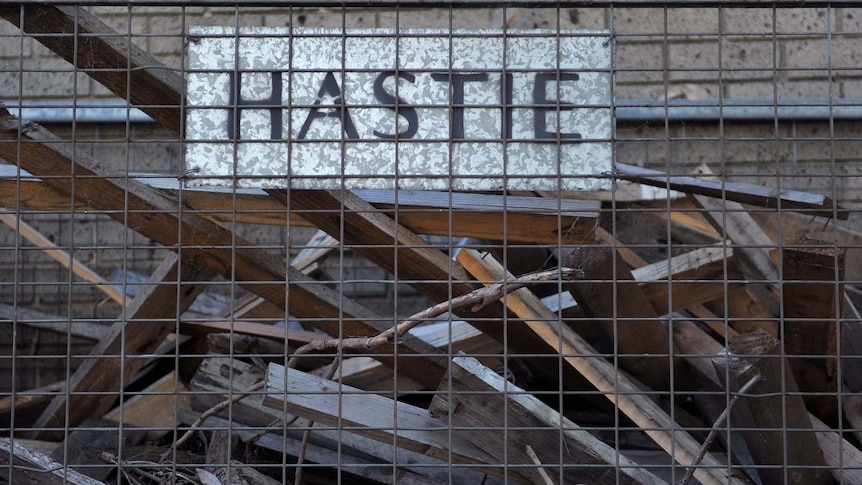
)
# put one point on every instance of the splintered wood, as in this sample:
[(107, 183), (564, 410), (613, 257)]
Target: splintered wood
[(611, 355)]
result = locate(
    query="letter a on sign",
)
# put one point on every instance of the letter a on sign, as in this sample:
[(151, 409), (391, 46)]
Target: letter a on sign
[(421, 109)]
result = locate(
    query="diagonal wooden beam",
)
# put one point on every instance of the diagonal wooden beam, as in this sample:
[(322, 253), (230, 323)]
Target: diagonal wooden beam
[(97, 383), (160, 218), (105, 55)]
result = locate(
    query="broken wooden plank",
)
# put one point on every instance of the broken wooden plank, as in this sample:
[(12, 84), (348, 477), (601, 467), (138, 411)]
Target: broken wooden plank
[(98, 381), (813, 290), (153, 408), (623, 318), (21, 465), (368, 414), (30, 233), (756, 195), (480, 403), (617, 387), (696, 277), (108, 57), (218, 378), (778, 427)]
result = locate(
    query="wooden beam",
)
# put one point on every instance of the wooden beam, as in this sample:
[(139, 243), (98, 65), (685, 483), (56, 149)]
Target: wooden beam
[(696, 277), (778, 431), (623, 318), (154, 407), (617, 387), (51, 322), (527, 222), (479, 403), (813, 290), (29, 233), (108, 57), (19, 464), (370, 415), (98, 381), (699, 349), (745, 193)]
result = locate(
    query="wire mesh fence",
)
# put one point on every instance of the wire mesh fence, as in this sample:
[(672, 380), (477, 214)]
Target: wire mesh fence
[(430, 242)]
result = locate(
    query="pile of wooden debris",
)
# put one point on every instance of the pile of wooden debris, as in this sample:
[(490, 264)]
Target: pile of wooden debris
[(693, 339)]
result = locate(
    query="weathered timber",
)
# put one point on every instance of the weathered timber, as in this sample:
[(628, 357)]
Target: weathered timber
[(154, 407), (23, 466), (699, 350), (371, 415), (537, 224), (31, 397), (156, 216), (30, 233), (624, 320), (219, 378), (696, 277), (54, 323), (480, 403), (745, 193), (617, 387), (98, 381), (751, 244), (108, 57), (779, 434), (813, 288)]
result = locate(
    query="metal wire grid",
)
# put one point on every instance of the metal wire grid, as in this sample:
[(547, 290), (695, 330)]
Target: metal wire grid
[(762, 95)]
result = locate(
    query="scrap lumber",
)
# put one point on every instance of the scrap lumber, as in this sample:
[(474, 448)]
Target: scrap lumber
[(141, 328), (370, 415), (21, 465), (751, 244), (219, 378), (617, 387), (153, 408), (30, 398), (51, 322), (536, 223), (778, 428), (109, 58), (813, 290), (623, 317), (381, 240), (359, 457), (479, 403), (159, 218), (752, 194), (482, 216), (699, 350), (696, 277), (30, 233)]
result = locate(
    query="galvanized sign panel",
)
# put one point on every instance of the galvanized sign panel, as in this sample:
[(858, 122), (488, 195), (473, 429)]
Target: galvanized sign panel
[(424, 109)]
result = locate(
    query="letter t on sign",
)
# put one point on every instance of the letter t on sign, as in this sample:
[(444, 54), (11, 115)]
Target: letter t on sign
[(238, 103)]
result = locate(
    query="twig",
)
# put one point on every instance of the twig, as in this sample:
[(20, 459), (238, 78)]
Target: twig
[(719, 421), (297, 478), (210, 412), (544, 474), (476, 300)]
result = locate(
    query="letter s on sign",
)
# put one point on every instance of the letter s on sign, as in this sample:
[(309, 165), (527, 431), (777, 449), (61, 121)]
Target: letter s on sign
[(397, 105)]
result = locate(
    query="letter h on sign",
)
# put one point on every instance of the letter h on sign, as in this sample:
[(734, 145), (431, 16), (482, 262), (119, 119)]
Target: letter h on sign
[(237, 103)]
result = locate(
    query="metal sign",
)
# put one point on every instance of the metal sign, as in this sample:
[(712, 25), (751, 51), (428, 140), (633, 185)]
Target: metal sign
[(421, 109)]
